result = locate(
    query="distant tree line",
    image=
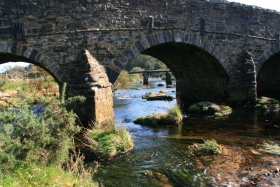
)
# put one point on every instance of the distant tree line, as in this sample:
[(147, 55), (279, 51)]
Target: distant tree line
[(145, 62)]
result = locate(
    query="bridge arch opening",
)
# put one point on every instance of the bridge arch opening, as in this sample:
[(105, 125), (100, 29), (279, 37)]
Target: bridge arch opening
[(7, 57), (199, 75), (31, 79), (268, 78), (84, 77)]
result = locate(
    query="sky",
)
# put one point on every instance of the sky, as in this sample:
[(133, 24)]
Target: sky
[(269, 4)]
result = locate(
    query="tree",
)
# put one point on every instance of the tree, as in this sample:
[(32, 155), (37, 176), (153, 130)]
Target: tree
[(122, 82), (145, 62)]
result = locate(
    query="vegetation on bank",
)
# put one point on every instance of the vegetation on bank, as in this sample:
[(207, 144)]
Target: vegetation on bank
[(173, 117), (39, 144), (52, 175), (43, 139)]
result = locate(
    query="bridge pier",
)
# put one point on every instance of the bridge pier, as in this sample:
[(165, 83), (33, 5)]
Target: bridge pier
[(168, 79), (92, 83), (145, 79)]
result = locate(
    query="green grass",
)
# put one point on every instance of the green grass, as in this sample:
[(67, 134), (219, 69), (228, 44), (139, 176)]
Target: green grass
[(175, 113), (270, 147), (212, 146), (108, 140), (173, 117), (13, 85), (34, 175)]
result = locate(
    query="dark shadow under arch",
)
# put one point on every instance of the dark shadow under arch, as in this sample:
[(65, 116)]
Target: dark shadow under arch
[(199, 75), (268, 78)]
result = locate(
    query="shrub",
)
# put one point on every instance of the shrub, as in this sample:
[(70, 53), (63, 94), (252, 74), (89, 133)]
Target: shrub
[(45, 137)]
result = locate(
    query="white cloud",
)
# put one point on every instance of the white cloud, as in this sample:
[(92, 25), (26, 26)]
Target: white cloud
[(6, 66)]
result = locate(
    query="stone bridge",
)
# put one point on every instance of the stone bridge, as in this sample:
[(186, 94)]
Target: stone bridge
[(217, 50)]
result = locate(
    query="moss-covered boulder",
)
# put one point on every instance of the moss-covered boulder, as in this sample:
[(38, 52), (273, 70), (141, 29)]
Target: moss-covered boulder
[(173, 117), (209, 108), (266, 104)]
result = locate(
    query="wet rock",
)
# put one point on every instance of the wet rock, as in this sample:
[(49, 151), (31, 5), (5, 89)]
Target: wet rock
[(160, 84), (266, 104), (157, 96), (164, 91), (209, 108)]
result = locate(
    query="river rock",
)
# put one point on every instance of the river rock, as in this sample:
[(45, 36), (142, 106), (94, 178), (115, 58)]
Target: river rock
[(164, 91), (266, 104), (209, 108)]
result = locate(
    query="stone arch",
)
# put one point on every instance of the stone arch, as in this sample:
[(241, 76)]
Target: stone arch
[(161, 37), (264, 57), (84, 77), (178, 37), (13, 52), (157, 44)]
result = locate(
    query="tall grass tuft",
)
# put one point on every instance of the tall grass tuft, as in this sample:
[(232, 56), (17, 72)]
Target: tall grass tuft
[(175, 113), (212, 146), (108, 140), (270, 147), (173, 117), (38, 175)]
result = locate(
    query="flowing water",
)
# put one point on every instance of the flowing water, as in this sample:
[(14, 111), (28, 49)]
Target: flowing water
[(163, 156)]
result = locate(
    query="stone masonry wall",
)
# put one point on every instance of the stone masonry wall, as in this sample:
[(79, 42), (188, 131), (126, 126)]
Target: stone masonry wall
[(51, 34)]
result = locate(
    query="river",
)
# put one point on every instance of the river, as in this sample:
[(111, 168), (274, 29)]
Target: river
[(163, 156)]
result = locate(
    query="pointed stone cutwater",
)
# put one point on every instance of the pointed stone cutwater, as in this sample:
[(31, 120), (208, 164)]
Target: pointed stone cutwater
[(95, 86)]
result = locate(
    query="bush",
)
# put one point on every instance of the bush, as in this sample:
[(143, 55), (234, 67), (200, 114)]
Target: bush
[(45, 137)]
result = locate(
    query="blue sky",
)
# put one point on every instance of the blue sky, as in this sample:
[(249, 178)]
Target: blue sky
[(269, 4)]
